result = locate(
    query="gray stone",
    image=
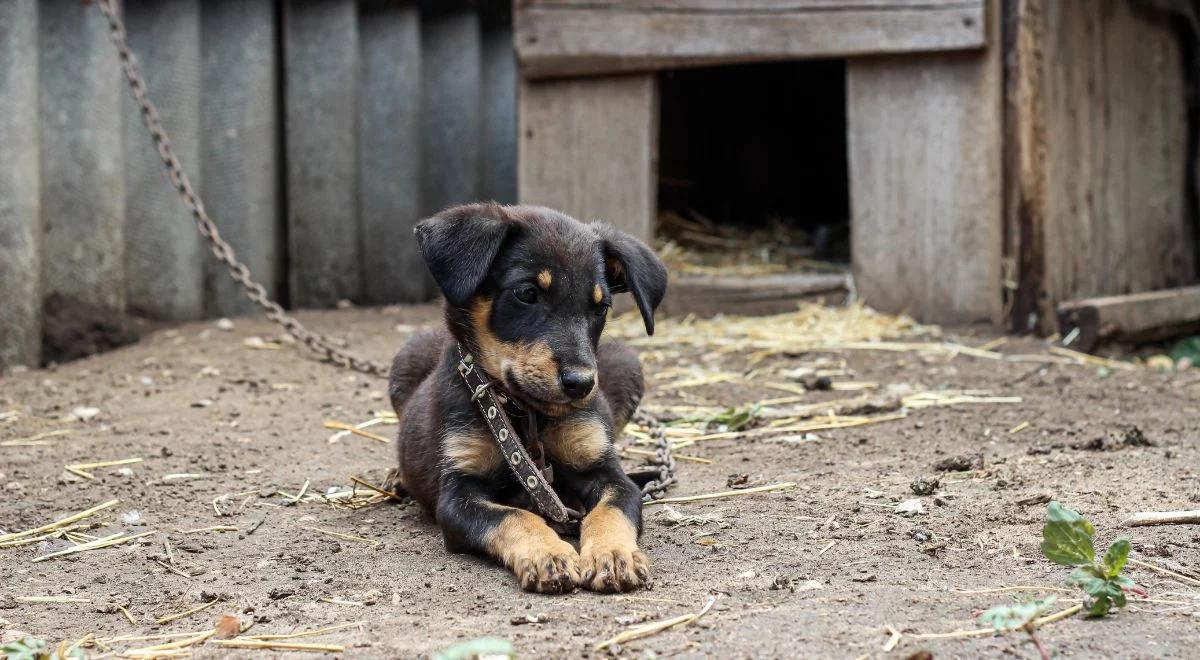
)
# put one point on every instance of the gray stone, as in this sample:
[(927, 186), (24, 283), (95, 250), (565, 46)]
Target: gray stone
[(450, 68), (321, 120), (499, 177), (164, 265), (239, 146), (83, 183), (389, 154), (20, 211)]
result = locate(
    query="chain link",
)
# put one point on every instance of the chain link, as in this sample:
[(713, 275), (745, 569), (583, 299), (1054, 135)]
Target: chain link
[(316, 342), (663, 459)]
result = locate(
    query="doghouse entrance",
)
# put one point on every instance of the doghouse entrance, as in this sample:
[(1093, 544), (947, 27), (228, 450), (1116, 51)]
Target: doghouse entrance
[(752, 168)]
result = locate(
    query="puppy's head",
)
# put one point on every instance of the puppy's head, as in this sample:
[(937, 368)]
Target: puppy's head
[(528, 291)]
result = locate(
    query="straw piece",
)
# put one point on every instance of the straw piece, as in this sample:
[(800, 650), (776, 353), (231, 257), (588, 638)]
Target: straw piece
[(645, 630), (60, 523), (247, 643), (341, 535), (307, 633), (198, 608), (51, 599), (351, 428), (678, 457), (35, 440), (1166, 571), (366, 484), (170, 646), (103, 542), (726, 493)]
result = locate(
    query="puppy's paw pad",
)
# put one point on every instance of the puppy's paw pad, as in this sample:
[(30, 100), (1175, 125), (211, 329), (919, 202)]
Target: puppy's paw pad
[(549, 570), (613, 570)]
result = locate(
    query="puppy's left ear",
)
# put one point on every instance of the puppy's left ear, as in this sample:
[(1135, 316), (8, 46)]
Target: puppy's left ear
[(629, 265), (459, 246)]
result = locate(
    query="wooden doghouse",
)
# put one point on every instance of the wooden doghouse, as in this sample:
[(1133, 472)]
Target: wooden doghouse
[(1003, 156)]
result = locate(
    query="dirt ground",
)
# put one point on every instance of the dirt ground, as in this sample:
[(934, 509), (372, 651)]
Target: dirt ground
[(818, 570)]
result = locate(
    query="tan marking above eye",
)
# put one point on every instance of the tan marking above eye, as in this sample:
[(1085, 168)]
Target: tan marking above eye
[(544, 278), (597, 294)]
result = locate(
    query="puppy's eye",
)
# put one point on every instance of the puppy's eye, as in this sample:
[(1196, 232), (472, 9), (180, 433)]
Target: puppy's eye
[(526, 294), (602, 310)]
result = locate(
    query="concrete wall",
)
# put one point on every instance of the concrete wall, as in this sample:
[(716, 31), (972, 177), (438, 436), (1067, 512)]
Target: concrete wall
[(318, 132)]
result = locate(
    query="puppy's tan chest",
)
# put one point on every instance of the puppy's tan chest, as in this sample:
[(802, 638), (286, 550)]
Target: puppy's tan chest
[(578, 442)]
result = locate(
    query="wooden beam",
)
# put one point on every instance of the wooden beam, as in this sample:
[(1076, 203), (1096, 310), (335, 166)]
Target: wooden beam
[(1096, 155), (589, 149), (925, 183), (752, 296), (1149, 316), (557, 38)]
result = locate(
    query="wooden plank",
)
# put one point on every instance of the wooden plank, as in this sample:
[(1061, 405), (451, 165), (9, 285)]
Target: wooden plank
[(164, 261), (561, 38), (589, 148), (451, 123), (240, 147), (20, 207), (1024, 163), (499, 113), (82, 154), (389, 147), (768, 294), (925, 177), (321, 115), (1147, 316), (1100, 200)]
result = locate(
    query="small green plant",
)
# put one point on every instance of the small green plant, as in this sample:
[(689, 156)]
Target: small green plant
[(732, 419), (1068, 539), (1022, 617), (32, 648)]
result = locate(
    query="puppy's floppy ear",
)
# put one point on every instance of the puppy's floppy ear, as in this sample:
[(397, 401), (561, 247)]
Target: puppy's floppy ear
[(631, 266), (459, 245)]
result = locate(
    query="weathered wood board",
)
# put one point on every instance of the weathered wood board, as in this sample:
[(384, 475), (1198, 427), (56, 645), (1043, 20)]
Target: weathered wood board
[(321, 119), (589, 148), (20, 206), (164, 261), (389, 152), (1097, 155), (80, 98), (925, 180), (562, 38), (240, 164)]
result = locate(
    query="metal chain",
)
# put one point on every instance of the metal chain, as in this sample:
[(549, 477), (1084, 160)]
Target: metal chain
[(656, 488), (315, 341)]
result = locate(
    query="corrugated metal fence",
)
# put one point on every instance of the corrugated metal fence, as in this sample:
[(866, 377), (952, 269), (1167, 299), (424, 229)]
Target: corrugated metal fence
[(318, 132)]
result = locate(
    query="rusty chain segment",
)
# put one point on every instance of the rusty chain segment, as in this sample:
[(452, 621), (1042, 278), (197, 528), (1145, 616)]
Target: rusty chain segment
[(318, 343), (315, 341)]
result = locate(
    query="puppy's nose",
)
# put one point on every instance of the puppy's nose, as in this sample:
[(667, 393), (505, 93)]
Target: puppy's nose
[(577, 383)]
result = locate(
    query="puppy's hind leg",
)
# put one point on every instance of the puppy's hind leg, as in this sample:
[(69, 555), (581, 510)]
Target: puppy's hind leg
[(520, 540), (413, 363), (620, 380)]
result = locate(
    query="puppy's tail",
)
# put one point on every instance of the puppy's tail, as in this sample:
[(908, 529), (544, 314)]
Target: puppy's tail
[(620, 380), (413, 363)]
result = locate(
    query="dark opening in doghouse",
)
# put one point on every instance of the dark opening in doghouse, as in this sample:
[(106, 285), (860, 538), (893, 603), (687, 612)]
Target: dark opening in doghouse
[(756, 148)]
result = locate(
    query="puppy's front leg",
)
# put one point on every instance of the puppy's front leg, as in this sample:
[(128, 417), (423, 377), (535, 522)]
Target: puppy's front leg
[(608, 550), (518, 539)]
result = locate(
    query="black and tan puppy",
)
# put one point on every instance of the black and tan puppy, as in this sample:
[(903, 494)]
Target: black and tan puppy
[(527, 294)]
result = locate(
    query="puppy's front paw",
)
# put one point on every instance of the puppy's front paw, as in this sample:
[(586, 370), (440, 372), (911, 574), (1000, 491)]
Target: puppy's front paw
[(551, 568), (614, 568)]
